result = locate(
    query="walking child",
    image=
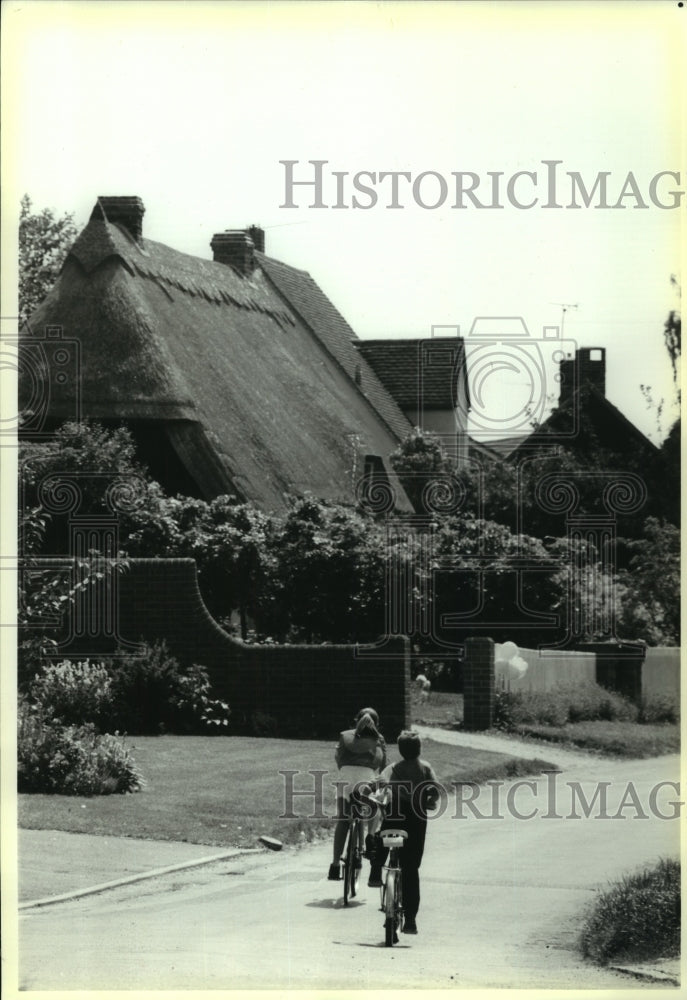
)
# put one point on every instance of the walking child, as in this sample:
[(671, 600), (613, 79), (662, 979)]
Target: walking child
[(413, 789)]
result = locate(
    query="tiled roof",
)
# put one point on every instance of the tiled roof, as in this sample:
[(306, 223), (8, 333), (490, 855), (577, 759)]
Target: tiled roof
[(490, 450), (502, 447), (419, 373), (587, 412)]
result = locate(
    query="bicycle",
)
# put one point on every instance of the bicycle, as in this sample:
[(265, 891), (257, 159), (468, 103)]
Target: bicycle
[(352, 857), (392, 884), (392, 888)]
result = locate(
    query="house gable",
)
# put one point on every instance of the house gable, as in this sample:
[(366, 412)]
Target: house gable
[(250, 400)]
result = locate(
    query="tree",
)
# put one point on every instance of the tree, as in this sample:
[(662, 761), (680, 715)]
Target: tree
[(227, 539), (82, 461), (479, 569), (419, 458), (651, 598), (44, 240), (329, 565), (86, 459), (672, 332)]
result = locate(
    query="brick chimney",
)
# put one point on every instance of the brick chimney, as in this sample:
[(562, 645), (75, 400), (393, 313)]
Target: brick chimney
[(258, 237), (236, 247), (588, 367), (126, 210)]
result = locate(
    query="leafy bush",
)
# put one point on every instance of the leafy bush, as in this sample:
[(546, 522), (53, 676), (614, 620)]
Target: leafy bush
[(140, 695), (263, 724), (152, 694), (71, 760), (592, 701), (74, 693), (576, 703), (638, 918), (659, 708)]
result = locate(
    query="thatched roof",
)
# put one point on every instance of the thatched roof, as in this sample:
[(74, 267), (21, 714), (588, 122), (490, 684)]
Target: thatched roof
[(312, 305), (253, 391)]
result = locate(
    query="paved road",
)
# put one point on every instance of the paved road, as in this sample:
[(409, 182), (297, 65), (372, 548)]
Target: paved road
[(502, 900)]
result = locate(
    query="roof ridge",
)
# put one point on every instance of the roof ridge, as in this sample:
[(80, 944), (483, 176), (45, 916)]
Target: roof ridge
[(174, 269), (337, 336), (260, 256)]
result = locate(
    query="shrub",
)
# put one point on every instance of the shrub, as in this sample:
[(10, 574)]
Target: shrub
[(638, 918), (591, 701), (659, 708), (576, 703), (514, 708), (141, 695), (152, 694), (71, 760), (74, 693), (263, 724), (195, 710)]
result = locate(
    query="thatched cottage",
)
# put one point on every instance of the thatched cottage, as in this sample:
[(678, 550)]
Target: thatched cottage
[(235, 375)]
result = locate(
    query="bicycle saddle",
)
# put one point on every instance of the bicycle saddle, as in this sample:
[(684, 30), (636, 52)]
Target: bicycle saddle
[(393, 838)]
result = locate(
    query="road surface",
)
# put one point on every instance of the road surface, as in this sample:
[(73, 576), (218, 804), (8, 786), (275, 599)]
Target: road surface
[(502, 902)]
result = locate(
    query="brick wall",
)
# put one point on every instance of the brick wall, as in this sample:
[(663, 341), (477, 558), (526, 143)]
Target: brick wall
[(299, 690), (478, 684), (618, 666)]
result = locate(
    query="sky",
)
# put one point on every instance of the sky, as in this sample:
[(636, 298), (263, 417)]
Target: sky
[(193, 107)]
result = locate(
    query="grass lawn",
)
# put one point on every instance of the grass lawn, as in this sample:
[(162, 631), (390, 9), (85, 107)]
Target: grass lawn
[(224, 791), (615, 739), (612, 738), (442, 708)]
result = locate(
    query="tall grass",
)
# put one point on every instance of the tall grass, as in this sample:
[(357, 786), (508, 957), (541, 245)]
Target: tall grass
[(638, 918), (562, 705)]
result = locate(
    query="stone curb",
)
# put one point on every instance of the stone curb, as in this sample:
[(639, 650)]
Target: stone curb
[(650, 974), (127, 880)]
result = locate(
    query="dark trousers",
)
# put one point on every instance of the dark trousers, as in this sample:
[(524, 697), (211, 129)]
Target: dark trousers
[(409, 858)]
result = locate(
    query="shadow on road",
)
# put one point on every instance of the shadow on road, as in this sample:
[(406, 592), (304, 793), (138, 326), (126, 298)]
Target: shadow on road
[(336, 904), (369, 944)]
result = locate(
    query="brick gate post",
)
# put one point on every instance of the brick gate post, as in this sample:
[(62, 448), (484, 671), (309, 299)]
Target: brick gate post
[(478, 684)]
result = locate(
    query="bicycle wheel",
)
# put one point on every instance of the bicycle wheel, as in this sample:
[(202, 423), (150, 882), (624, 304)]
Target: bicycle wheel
[(398, 901), (390, 908), (351, 873)]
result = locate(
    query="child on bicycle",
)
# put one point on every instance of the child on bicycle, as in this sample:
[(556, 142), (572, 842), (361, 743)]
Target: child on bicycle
[(360, 756), (412, 789)]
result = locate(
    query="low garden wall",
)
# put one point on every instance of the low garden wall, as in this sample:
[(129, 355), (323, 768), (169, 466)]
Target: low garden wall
[(294, 690), (661, 673), (647, 672), (546, 671)]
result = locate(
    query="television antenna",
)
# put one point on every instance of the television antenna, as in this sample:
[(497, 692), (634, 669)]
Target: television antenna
[(564, 307)]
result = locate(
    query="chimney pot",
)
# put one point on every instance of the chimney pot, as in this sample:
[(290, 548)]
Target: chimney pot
[(126, 210), (257, 234), (236, 247), (587, 368)]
